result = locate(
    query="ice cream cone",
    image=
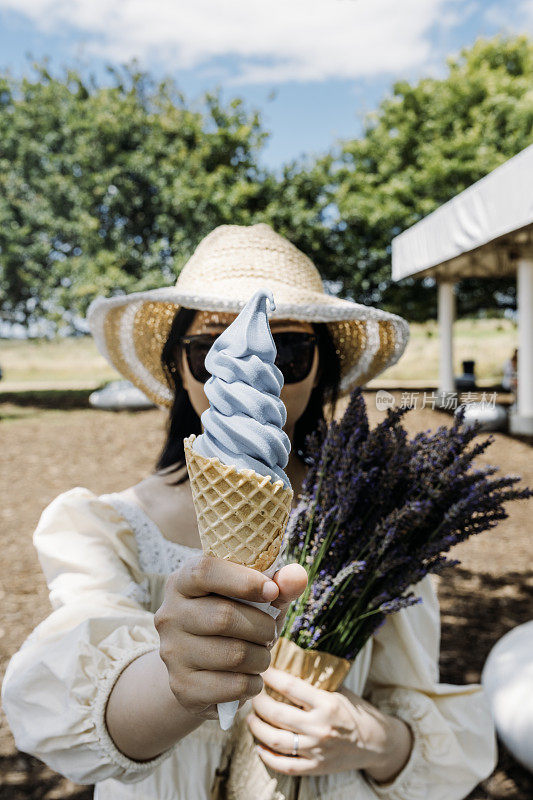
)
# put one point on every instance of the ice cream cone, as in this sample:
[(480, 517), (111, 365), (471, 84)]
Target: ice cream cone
[(241, 515), (241, 495)]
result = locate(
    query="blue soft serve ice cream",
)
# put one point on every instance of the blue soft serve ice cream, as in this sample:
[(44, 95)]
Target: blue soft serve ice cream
[(244, 424)]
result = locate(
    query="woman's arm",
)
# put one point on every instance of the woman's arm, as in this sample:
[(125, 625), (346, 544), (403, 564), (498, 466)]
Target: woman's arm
[(214, 649), (143, 716), (57, 685), (396, 750)]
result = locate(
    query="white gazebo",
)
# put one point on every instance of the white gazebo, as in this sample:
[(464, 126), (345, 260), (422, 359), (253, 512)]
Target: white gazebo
[(486, 231)]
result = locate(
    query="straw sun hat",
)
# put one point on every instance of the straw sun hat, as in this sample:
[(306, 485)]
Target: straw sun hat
[(227, 267)]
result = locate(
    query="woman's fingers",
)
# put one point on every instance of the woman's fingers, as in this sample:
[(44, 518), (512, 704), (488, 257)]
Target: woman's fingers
[(291, 580), (289, 765), (219, 616), (223, 653), (280, 740), (204, 574), (281, 715), (297, 690), (214, 646), (218, 687)]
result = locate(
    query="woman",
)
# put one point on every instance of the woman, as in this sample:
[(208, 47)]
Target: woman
[(118, 686)]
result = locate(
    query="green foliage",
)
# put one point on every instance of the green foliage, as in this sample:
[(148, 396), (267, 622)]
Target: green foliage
[(425, 144)]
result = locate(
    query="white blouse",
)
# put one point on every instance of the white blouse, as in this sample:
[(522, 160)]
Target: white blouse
[(106, 564)]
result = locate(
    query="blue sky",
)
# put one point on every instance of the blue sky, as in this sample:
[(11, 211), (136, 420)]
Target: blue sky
[(313, 67)]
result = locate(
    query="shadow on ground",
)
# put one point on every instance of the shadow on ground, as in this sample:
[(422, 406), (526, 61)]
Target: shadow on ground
[(27, 778), (61, 399)]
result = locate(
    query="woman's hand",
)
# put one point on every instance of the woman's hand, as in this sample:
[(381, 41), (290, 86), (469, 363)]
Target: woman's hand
[(337, 731), (215, 648)]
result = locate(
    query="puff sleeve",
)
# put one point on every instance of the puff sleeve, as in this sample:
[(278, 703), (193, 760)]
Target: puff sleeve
[(56, 686), (454, 739)]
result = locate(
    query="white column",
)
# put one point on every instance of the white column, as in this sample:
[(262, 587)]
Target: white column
[(446, 311), (522, 422)]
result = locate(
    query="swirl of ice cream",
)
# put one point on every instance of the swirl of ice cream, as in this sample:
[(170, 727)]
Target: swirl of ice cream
[(243, 425)]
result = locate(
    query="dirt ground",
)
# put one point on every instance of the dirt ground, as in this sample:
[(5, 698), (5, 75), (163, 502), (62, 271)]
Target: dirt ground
[(45, 452)]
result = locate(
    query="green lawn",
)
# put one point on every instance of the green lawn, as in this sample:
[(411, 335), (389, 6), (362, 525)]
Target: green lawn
[(75, 359), (489, 342)]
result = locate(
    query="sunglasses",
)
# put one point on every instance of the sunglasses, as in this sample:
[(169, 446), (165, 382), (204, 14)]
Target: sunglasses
[(294, 357)]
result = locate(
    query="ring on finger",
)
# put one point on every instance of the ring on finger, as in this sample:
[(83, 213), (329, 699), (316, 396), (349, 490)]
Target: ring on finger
[(296, 744)]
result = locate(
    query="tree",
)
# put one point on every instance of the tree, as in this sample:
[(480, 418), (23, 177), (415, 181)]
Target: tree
[(425, 144), (108, 189)]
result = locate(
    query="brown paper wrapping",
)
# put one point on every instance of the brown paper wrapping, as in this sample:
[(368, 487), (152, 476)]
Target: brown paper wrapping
[(322, 670), (241, 774)]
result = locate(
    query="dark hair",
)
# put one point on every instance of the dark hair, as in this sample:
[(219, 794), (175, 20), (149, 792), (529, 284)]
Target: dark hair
[(183, 419)]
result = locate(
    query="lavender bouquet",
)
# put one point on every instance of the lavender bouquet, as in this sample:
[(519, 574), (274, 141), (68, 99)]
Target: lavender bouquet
[(376, 513)]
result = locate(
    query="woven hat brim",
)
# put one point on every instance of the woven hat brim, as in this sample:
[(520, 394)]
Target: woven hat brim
[(130, 331)]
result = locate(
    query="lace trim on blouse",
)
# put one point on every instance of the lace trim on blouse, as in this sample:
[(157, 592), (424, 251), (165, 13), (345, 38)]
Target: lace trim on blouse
[(156, 553)]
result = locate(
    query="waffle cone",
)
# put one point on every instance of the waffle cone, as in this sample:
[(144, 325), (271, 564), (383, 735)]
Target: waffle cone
[(241, 515)]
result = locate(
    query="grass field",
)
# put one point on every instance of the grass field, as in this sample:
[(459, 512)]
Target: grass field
[(489, 342), (74, 359)]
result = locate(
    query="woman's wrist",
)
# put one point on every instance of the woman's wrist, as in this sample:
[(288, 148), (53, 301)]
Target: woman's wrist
[(395, 752), (142, 716)]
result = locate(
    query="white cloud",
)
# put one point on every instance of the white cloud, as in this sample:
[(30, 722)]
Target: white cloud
[(267, 41)]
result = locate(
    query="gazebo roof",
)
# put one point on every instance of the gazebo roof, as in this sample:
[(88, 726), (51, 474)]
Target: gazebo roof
[(480, 232)]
